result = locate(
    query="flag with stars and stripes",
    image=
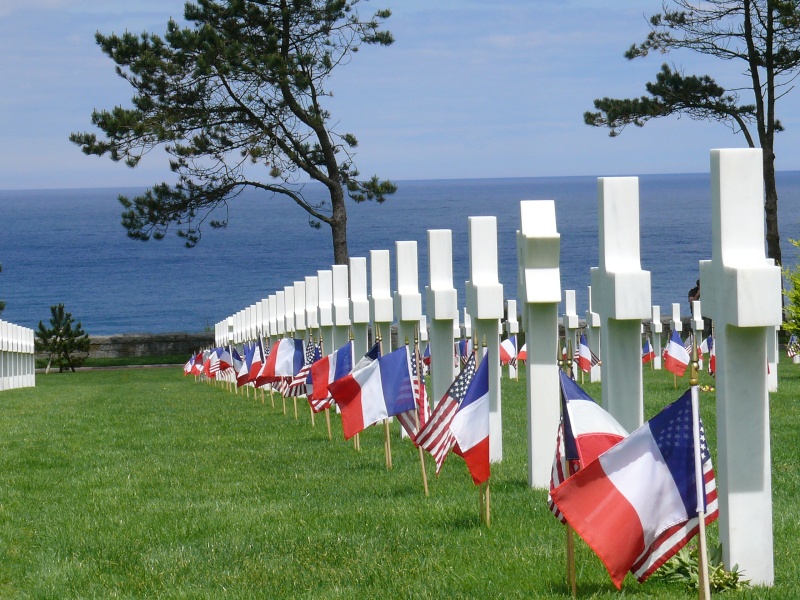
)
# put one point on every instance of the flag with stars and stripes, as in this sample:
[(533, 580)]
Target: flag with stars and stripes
[(435, 437), (647, 484), (414, 420), (301, 382), (793, 346)]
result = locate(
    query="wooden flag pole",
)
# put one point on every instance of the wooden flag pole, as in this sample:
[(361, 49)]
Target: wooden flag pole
[(387, 438), (703, 584), (421, 453), (572, 579)]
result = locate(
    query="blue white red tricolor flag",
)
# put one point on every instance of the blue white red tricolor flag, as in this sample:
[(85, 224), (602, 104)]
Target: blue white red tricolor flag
[(384, 388), (648, 353), (327, 370), (647, 487), (523, 352), (470, 426), (585, 432), (508, 351), (585, 362), (676, 358), (435, 437)]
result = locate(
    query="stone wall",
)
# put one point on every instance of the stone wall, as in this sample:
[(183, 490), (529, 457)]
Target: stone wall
[(147, 344)]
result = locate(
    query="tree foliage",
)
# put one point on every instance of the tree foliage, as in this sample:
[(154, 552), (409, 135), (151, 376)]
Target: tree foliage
[(791, 310), (64, 341), (764, 35), (237, 99)]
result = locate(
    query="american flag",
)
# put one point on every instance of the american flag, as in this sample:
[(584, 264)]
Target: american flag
[(435, 437), (562, 469), (674, 538), (373, 354), (793, 346), (298, 385), (409, 419)]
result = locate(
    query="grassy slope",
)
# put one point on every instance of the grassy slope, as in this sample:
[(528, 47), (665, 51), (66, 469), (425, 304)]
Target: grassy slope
[(142, 483)]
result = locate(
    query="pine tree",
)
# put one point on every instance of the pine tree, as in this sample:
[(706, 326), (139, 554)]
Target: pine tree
[(68, 345), (238, 99), (763, 36), (791, 311)]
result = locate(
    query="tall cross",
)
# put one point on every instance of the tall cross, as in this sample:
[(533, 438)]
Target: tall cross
[(742, 294), (539, 290), (622, 298)]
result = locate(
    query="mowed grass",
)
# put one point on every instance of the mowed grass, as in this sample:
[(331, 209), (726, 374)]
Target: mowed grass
[(143, 483)]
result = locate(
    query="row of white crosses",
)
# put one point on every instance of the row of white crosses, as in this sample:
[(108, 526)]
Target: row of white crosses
[(742, 294), (17, 366), (336, 302)]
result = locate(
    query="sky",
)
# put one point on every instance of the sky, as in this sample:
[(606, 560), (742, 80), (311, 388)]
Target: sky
[(469, 89)]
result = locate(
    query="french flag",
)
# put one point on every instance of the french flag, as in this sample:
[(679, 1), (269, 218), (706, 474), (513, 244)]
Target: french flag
[(470, 426), (381, 389), (523, 352), (508, 350), (330, 368), (637, 503), (189, 366), (256, 360), (648, 353), (676, 358), (285, 359), (586, 431), (584, 355)]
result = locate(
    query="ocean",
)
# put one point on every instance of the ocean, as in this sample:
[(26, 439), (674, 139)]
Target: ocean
[(67, 246)]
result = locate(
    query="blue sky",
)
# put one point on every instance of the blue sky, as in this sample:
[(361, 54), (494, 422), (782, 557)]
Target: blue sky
[(469, 89)]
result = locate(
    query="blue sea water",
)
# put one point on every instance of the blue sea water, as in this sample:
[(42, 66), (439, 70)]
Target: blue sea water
[(68, 246)]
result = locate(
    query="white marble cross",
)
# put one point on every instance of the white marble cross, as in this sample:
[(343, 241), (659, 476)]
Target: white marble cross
[(380, 301), (272, 315), (280, 313), (656, 328), (742, 294), (442, 308), (341, 305), (325, 309), (300, 308), (485, 305), (570, 322), (288, 315), (407, 299), (312, 302), (622, 298), (593, 338), (539, 289), (512, 329), (359, 304)]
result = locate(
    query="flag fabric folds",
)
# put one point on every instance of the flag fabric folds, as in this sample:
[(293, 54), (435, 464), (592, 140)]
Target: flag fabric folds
[(523, 352), (435, 437), (327, 370), (585, 432), (381, 389), (301, 383), (470, 426), (285, 359), (584, 355), (508, 351), (636, 505), (414, 420), (648, 353), (256, 359), (676, 358), (792, 346)]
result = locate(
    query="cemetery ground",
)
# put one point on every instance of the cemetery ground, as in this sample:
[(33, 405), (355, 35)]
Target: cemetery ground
[(143, 483)]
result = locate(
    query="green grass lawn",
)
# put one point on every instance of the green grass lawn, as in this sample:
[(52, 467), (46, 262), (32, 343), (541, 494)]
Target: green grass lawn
[(143, 483)]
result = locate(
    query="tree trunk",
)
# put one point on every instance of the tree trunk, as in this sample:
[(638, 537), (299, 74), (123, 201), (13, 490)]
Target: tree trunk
[(339, 225), (771, 206)]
